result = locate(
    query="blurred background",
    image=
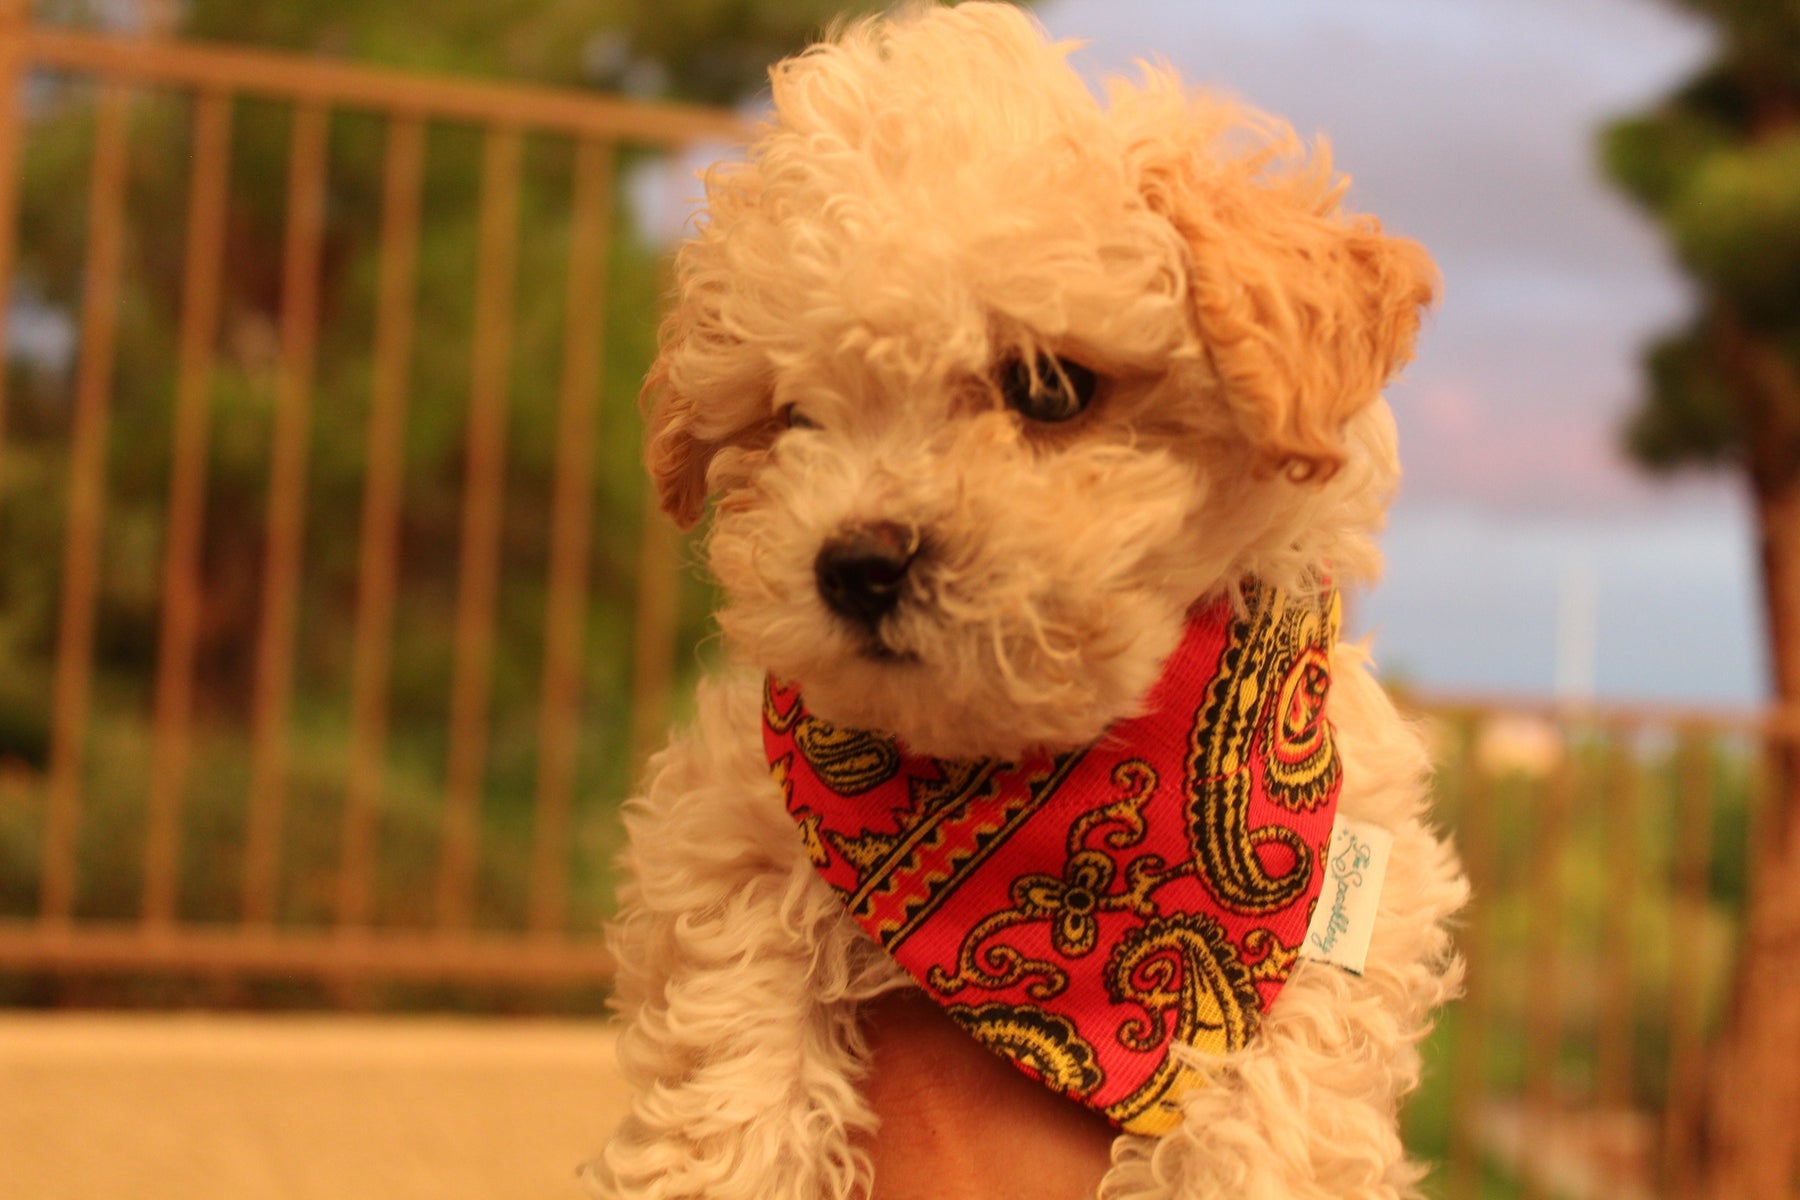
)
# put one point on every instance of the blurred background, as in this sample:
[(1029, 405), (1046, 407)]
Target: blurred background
[(334, 623)]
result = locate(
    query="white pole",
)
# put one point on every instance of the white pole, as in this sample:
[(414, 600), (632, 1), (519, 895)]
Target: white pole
[(1577, 629)]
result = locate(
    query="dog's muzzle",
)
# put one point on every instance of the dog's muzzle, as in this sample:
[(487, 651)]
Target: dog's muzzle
[(861, 572)]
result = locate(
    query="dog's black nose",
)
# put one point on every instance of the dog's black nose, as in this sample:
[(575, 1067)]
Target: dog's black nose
[(861, 571)]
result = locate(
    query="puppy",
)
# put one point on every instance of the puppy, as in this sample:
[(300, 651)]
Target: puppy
[(1028, 422)]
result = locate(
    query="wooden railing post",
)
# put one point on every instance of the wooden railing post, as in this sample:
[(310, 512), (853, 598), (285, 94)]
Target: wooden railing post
[(566, 585), (1477, 839), (309, 143), (181, 586), (484, 494), (378, 560), (1548, 893), (87, 504), (1618, 958), (1688, 892)]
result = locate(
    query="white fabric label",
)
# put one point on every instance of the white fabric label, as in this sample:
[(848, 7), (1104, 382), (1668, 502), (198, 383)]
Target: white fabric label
[(1345, 916)]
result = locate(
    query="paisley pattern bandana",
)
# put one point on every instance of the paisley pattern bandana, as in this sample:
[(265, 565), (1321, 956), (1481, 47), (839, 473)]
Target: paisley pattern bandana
[(1080, 913)]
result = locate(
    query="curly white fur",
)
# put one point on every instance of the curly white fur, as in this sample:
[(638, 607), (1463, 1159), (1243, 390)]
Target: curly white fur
[(939, 194)]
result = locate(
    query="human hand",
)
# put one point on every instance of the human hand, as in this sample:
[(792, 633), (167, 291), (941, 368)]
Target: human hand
[(960, 1123)]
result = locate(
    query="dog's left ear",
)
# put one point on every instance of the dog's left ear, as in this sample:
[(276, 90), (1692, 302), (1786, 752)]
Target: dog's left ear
[(707, 390), (676, 457), (1305, 312)]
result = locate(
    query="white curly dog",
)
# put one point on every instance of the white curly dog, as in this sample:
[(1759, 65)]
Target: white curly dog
[(992, 385)]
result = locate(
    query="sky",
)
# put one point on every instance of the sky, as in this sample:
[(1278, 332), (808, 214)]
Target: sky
[(1472, 125)]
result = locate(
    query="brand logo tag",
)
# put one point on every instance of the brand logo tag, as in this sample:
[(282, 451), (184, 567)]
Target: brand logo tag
[(1345, 916)]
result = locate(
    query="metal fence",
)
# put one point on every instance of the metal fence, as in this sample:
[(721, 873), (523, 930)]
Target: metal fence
[(213, 82), (1610, 848)]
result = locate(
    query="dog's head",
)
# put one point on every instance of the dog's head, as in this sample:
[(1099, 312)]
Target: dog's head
[(992, 383)]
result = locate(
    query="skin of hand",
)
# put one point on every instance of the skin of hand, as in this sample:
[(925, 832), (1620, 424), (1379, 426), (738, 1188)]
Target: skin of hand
[(960, 1123)]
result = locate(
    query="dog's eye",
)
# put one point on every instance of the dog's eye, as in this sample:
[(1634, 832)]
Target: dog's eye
[(1056, 390), (793, 418)]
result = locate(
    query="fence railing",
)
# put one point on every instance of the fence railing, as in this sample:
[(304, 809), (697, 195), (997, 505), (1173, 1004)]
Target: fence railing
[(1611, 849), (342, 936)]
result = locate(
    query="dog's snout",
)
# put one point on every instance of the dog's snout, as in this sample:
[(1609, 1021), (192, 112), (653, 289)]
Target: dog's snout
[(862, 571)]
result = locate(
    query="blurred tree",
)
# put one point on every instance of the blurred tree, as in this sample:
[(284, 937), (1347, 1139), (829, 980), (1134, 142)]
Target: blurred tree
[(1718, 165)]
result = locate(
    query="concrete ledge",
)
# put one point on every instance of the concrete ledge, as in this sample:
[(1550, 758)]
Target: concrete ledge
[(293, 1108)]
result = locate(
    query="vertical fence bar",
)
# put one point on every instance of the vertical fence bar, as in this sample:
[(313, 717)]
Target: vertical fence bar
[(1477, 842), (565, 613), (1543, 995), (187, 502), (1616, 1019), (1687, 955), (653, 648), (14, 19), (1764, 769), (484, 491), (378, 563), (273, 696), (87, 502)]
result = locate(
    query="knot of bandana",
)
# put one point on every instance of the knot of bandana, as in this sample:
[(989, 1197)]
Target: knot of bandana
[(1081, 913)]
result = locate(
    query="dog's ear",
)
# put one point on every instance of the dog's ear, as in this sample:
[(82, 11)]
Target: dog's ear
[(676, 457), (709, 386), (1304, 312)]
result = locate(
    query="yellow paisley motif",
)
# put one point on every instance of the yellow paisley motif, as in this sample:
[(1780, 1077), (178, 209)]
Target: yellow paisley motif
[(848, 761), (1267, 957), (1045, 1042), (778, 721), (1302, 763), (1272, 639), (1185, 974), (994, 965), (1136, 781)]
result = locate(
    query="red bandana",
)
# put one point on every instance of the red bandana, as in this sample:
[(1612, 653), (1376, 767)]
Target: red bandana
[(1079, 913)]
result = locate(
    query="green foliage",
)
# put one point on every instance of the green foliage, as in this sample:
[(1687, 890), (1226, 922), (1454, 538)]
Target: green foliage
[(1718, 165), (1652, 156), (1760, 41), (1736, 224), (1689, 415), (707, 51)]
